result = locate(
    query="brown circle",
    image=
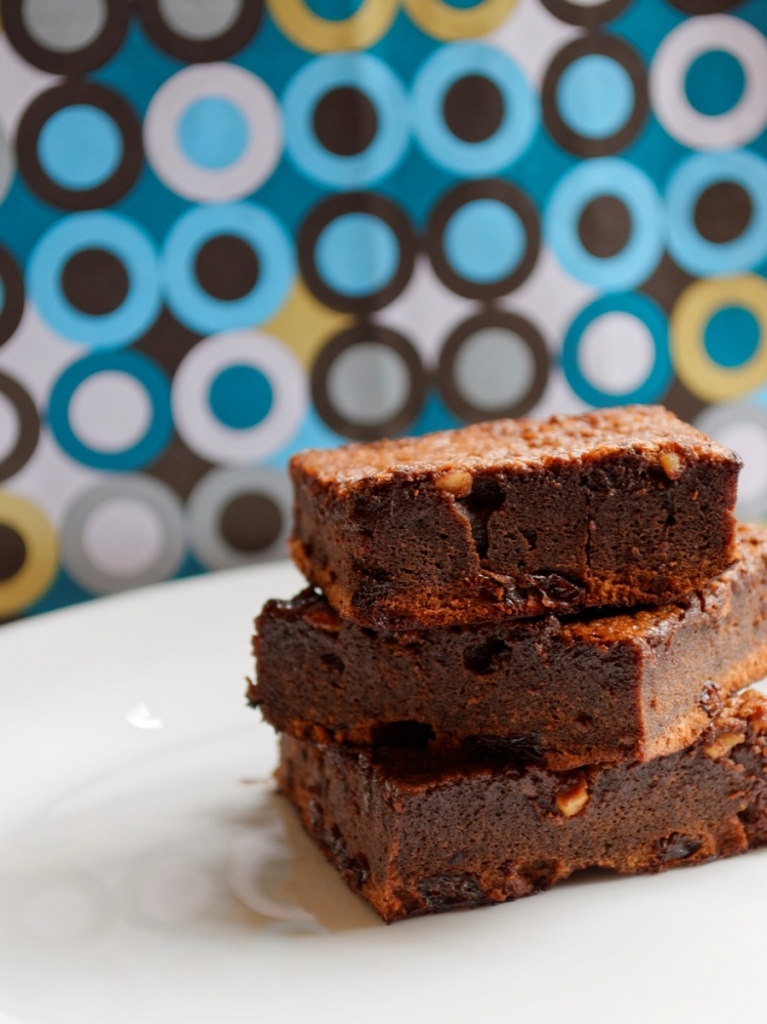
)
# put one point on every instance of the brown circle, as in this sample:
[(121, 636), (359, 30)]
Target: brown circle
[(604, 226), (345, 121), (331, 209), (510, 196), (473, 108), (72, 62), (13, 295), (723, 211), (238, 35), (13, 552), (587, 16), (615, 48), (517, 325), (360, 334), (226, 267), (37, 114), (29, 427), (251, 522), (95, 282)]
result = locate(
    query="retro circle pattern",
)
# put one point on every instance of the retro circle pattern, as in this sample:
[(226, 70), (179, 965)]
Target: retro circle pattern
[(231, 229)]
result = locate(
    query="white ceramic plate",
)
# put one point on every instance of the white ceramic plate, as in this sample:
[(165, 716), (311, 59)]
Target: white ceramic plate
[(149, 875)]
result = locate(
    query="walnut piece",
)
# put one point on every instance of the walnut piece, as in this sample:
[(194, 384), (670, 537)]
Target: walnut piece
[(574, 799), (671, 464), (459, 482), (723, 744)]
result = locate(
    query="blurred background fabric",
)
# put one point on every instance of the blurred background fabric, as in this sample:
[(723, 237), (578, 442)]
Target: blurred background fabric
[(230, 229)]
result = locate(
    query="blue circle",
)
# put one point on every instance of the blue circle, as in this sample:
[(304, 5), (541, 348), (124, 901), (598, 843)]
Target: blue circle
[(613, 177), (357, 254), (732, 336), (714, 82), (484, 241), (123, 238), (332, 10), (385, 91), (652, 316), (693, 176), (447, 65), (2, 295), (213, 132), (80, 147), (594, 96), (276, 261), (155, 384), (240, 397)]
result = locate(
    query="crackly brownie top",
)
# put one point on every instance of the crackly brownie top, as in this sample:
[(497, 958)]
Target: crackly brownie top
[(509, 444)]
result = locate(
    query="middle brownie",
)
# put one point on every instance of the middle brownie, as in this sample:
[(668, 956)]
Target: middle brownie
[(599, 688)]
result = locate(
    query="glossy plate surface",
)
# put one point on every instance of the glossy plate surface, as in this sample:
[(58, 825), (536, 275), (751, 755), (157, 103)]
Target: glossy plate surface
[(149, 875)]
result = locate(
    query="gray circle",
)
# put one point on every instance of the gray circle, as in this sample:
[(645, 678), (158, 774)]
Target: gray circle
[(494, 369), (158, 498), (200, 19), (209, 499), (64, 26), (6, 165), (368, 383), (718, 422)]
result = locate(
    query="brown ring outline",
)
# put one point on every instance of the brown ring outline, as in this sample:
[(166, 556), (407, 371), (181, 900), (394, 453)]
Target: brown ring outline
[(29, 427), (629, 60), (586, 17), (72, 62), (509, 195), (200, 51), (13, 297), (58, 98), (527, 331), (355, 202), (359, 333)]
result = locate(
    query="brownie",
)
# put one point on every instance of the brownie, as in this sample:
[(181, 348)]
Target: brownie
[(515, 518), (621, 687), (416, 835)]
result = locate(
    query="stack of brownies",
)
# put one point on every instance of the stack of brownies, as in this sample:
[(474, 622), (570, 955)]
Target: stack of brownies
[(523, 658)]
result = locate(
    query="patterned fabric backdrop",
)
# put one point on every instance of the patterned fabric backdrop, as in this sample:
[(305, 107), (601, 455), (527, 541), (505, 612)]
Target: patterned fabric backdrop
[(230, 229)]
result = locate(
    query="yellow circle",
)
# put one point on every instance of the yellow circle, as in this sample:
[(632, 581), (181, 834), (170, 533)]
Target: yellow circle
[(694, 308), (319, 35), (41, 562), (444, 21)]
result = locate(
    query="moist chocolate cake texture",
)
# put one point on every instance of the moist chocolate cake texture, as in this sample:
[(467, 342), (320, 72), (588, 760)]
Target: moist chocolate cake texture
[(515, 518), (522, 660), (629, 686), (416, 835)]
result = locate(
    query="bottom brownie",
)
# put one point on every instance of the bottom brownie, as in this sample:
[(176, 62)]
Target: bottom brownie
[(415, 833)]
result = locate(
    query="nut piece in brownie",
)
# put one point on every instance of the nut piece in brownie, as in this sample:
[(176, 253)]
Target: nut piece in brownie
[(618, 507), (394, 823), (618, 687)]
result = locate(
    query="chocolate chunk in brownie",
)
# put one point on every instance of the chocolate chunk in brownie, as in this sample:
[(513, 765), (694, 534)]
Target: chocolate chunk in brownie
[(619, 687), (416, 835), (515, 518)]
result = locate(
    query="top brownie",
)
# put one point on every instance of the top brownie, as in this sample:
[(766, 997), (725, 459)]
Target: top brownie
[(617, 507)]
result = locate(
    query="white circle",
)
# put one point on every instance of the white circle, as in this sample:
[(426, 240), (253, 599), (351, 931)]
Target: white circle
[(175, 893), (368, 383), (110, 411), (616, 353), (123, 538), (10, 427), (494, 368), (258, 106), (672, 60), (199, 19), (64, 26), (60, 913), (192, 414), (749, 440)]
